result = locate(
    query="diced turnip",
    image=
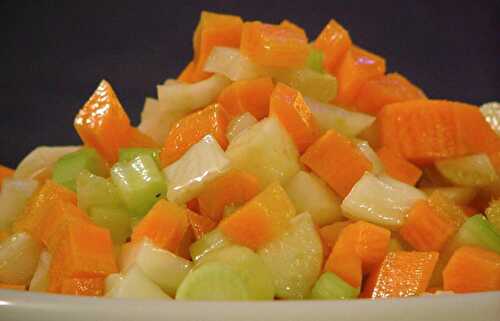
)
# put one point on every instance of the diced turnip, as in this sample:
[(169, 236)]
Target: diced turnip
[(162, 267), (19, 256), (203, 162), (346, 122), (266, 151), (133, 285), (239, 124), (39, 161), (40, 280), (473, 170), (384, 200), (491, 112), (13, 197), (310, 194), (295, 258), (232, 64), (369, 153)]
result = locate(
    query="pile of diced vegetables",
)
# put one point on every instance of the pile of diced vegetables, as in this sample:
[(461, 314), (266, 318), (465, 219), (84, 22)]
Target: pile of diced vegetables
[(272, 167)]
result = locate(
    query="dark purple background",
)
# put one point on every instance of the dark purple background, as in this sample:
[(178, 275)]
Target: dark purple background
[(52, 55)]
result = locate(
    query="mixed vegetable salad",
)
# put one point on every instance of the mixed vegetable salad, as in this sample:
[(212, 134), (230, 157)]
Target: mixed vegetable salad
[(273, 167)]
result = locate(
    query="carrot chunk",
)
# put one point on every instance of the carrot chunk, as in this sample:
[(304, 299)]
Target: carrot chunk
[(293, 26), (336, 160), (12, 287), (472, 269), (4, 173), (40, 205), (83, 286), (423, 131), (288, 105), (233, 188), (187, 74), (103, 124), (274, 46), (190, 129), (330, 234), (139, 139), (357, 67), (200, 225), (213, 30), (165, 225), (398, 167), (384, 90), (334, 41), (261, 219), (401, 274), (247, 96)]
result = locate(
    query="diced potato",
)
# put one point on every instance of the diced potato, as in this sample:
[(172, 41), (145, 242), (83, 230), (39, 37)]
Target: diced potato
[(295, 258), (232, 64), (346, 122), (384, 200), (369, 153), (133, 285), (239, 124), (474, 170), (18, 258), (162, 267), (40, 161), (310, 194), (189, 97), (13, 197), (203, 162), (266, 151), (40, 280), (491, 112), (458, 195)]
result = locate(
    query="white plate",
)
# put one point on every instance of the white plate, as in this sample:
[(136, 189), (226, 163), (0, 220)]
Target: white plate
[(19, 306)]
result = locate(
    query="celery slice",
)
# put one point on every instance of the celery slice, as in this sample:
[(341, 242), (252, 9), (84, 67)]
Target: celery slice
[(320, 86), (315, 60), (133, 285), (67, 168), (330, 287), (127, 154), (116, 220), (472, 170), (96, 191), (477, 230), (209, 242), (140, 184)]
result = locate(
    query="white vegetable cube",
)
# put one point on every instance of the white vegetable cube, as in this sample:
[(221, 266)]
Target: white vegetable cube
[(295, 259), (239, 124), (491, 112), (346, 122), (203, 162), (310, 194), (473, 170), (40, 160), (13, 197), (384, 201), (266, 151), (133, 285), (18, 258), (40, 280), (232, 64), (369, 153), (162, 267)]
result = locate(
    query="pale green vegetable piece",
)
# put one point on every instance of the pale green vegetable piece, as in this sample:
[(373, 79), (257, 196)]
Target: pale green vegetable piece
[(133, 285), (40, 280), (115, 219), (41, 159), (14, 195), (239, 124), (319, 86), (232, 64), (96, 191), (458, 195), (19, 256), (491, 112), (473, 170), (330, 287), (209, 242)]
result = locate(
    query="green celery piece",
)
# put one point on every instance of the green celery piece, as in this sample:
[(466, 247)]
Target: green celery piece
[(493, 214), (315, 60), (127, 154), (115, 219), (477, 230), (209, 242), (96, 191), (67, 168), (331, 287), (140, 184), (310, 83)]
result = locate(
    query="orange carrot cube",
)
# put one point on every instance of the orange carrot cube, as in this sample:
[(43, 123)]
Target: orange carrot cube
[(4, 173), (334, 41), (398, 167), (83, 286), (330, 233), (200, 225), (293, 26), (139, 139), (187, 74)]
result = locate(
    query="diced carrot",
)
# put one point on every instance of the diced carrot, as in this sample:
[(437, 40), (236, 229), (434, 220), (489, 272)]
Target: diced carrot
[(187, 73), (234, 187), (139, 139), (4, 173), (190, 129), (12, 287), (337, 160), (247, 96), (335, 42), (401, 274), (213, 30), (424, 131), (398, 167), (357, 67), (261, 219), (288, 105), (472, 269), (185, 244), (346, 264), (85, 251), (194, 205), (83, 286), (39, 206), (57, 219), (165, 225), (384, 90), (4, 234), (274, 46), (200, 224), (469, 210), (293, 26), (103, 124), (330, 233)]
